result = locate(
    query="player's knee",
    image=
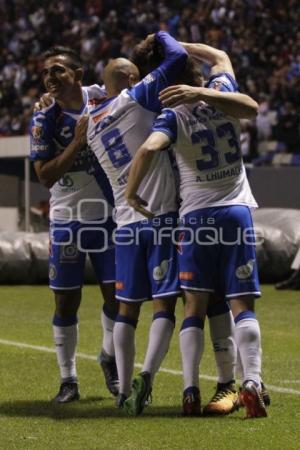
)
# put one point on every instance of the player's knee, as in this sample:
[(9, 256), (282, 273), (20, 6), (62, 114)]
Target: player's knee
[(165, 305), (67, 303), (130, 310), (239, 305)]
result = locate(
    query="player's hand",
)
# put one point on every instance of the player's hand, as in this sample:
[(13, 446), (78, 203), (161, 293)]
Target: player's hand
[(178, 95), (138, 204), (45, 101), (80, 132)]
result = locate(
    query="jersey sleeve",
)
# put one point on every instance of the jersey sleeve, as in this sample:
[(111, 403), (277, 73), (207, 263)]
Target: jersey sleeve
[(41, 142), (146, 92), (166, 123), (223, 82)]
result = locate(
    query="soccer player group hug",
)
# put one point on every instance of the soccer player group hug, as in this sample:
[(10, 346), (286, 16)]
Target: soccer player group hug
[(147, 178)]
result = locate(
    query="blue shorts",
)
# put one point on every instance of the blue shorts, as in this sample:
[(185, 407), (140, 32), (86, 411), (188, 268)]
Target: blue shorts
[(146, 260), (69, 245), (217, 252)]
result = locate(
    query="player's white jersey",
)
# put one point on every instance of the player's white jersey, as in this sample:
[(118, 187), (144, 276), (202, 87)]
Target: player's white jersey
[(83, 193), (118, 128), (208, 155), (115, 133)]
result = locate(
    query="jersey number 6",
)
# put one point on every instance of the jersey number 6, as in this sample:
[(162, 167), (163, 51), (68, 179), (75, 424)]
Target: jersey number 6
[(116, 149)]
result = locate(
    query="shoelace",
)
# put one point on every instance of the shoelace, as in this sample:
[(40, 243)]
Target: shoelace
[(220, 394)]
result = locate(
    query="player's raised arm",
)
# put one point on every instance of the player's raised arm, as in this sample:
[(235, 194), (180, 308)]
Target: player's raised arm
[(235, 104), (172, 57), (218, 59), (140, 165)]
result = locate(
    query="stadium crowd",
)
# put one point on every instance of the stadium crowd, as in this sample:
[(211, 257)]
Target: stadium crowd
[(262, 38)]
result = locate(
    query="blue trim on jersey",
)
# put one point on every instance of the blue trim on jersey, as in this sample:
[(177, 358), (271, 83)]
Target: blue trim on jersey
[(218, 309), (146, 92), (166, 123), (232, 87), (108, 313), (103, 105), (125, 319), (192, 321), (164, 315), (245, 315), (58, 322)]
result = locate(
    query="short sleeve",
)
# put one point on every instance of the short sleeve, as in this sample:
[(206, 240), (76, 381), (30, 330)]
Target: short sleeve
[(166, 123)]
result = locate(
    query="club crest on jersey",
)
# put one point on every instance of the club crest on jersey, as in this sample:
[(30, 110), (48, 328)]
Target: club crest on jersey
[(52, 272), (217, 85), (37, 132), (245, 271)]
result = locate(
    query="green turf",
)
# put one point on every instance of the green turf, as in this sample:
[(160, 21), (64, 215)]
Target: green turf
[(29, 379)]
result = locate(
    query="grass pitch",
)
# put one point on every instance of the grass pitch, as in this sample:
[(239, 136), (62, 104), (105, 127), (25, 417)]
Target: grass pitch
[(29, 379)]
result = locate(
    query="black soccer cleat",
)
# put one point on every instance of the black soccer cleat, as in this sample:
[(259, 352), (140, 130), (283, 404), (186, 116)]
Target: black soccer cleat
[(110, 372), (120, 401), (265, 394), (68, 392)]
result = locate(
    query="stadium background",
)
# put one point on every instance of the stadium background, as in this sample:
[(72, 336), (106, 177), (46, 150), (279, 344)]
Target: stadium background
[(263, 40)]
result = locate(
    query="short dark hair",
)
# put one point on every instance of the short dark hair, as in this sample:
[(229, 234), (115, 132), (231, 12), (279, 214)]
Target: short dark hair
[(192, 74), (147, 56), (72, 55)]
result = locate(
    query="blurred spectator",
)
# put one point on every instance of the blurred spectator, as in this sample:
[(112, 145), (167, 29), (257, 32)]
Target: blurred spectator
[(262, 38)]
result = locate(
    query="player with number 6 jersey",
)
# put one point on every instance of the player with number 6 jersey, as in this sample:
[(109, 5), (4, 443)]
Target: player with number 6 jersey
[(144, 269)]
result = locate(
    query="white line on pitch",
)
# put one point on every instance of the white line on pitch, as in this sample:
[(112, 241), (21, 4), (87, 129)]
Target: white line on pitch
[(41, 348)]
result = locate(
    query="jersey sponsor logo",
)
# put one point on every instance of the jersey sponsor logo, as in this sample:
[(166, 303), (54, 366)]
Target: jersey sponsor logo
[(52, 272), (37, 132), (149, 78), (245, 271), (119, 285), (186, 276), (39, 148), (68, 253), (160, 272), (66, 181), (66, 132), (99, 117)]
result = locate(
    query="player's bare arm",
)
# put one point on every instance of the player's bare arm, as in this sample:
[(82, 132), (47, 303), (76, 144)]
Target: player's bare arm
[(218, 59), (235, 104), (51, 171), (140, 165)]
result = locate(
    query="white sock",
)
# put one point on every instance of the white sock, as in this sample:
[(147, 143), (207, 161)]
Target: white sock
[(247, 336), (107, 327), (191, 347), (124, 334), (160, 335), (222, 337), (239, 367), (65, 339)]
